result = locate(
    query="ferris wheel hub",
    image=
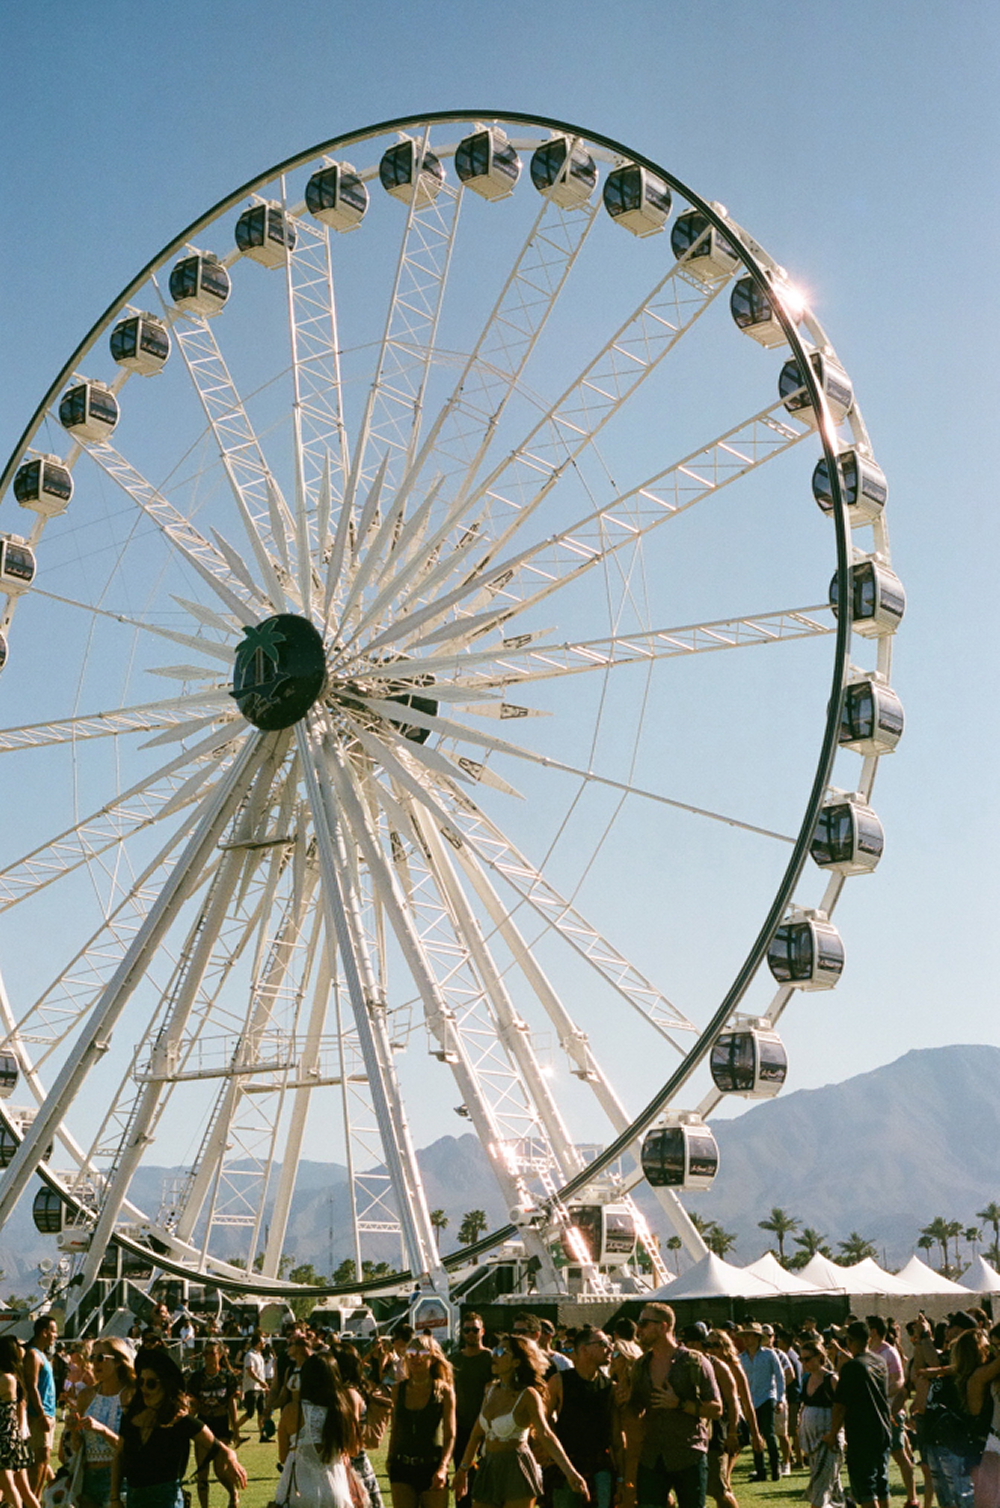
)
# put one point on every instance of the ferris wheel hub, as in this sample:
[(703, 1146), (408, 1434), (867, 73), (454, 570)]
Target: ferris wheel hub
[(280, 671)]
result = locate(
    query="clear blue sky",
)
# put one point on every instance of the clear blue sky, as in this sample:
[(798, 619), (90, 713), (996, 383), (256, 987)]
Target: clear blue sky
[(858, 142)]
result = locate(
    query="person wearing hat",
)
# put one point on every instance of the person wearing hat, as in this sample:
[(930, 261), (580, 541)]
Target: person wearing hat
[(766, 1377), (861, 1408), (667, 1421)]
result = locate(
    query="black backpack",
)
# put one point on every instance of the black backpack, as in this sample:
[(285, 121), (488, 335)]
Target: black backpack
[(949, 1425)]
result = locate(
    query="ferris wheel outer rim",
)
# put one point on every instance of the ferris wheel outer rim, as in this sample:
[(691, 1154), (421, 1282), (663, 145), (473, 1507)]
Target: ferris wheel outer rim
[(829, 745)]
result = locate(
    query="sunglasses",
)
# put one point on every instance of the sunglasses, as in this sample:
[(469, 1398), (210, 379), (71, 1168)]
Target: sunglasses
[(470, 1329), (647, 1319), (149, 1384)]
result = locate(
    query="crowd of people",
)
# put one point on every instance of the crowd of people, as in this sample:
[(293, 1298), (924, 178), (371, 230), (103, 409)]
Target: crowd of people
[(642, 1415)]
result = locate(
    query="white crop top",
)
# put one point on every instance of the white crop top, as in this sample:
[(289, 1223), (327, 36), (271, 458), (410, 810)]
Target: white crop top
[(503, 1426)]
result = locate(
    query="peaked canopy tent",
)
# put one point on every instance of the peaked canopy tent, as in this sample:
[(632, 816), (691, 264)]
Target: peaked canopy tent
[(714, 1278), (714, 1290), (770, 1269), (861, 1278), (980, 1277), (923, 1279)]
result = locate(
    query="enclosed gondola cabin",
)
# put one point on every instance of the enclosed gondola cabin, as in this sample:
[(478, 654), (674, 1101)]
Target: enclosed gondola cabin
[(708, 254), (44, 485), (487, 164), (89, 411), (266, 234), (337, 196), (832, 381), (141, 343), (878, 600), (750, 1061), (635, 198), (603, 1234), (755, 312), (17, 564), (848, 838), (807, 952), (199, 284), (9, 1074), (872, 719), (862, 483), (3, 651), (680, 1157), (563, 171), (407, 179), (47, 1211)]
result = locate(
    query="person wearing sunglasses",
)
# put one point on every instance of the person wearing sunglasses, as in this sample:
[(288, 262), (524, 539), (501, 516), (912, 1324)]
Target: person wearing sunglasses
[(582, 1403), (819, 1383), (473, 1366), (673, 1400), (93, 1420), (422, 1432), (157, 1433)]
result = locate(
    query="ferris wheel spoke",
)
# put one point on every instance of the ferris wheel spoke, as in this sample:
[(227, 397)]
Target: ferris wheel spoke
[(190, 641), (211, 565), (159, 795), (265, 515), (91, 1043), (344, 929), (525, 580), (447, 1027), (143, 717)]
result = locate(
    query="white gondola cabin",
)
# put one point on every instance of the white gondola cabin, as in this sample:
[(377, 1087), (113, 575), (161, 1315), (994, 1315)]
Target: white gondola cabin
[(862, 482), (47, 1211), (563, 171), (755, 311), (10, 1140), (199, 284), (872, 718), (337, 196), (635, 198), (878, 600), (404, 178), (832, 381), (750, 1061), (680, 1157), (9, 1074), (17, 564), (44, 485), (849, 838), (807, 951), (141, 343), (603, 1234), (487, 163), (3, 650), (707, 253), (266, 234), (89, 411)]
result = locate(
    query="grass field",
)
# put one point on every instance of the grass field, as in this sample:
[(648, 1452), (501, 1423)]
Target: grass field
[(260, 1462)]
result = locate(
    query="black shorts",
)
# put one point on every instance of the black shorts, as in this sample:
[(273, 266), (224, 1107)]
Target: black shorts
[(412, 1471)]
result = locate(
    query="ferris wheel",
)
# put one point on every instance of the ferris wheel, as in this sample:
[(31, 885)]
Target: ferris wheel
[(375, 685)]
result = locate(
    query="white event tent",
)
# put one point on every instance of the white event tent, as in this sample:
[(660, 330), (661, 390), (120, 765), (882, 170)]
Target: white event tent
[(861, 1278), (923, 1279), (770, 1269), (980, 1277), (712, 1278)]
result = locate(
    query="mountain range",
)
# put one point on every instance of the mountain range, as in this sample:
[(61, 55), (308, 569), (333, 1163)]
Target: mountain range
[(882, 1153)]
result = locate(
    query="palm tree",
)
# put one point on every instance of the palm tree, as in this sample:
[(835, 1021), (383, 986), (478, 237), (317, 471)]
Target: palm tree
[(810, 1242), (855, 1249), (991, 1214), (701, 1223), (440, 1222), (474, 1223), (939, 1232), (674, 1244), (955, 1229), (720, 1241), (781, 1225), (926, 1243), (972, 1236)]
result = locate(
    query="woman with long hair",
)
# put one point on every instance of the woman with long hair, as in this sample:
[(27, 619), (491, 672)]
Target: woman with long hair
[(371, 1411), (93, 1420), (953, 1443), (316, 1469), (15, 1452), (819, 1382), (513, 1409), (157, 1432), (422, 1432), (983, 1393)]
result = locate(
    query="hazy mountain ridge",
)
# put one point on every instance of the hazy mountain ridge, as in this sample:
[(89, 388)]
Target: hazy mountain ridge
[(881, 1153)]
